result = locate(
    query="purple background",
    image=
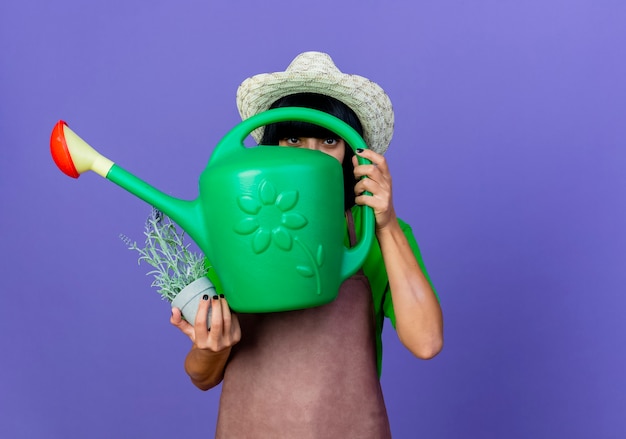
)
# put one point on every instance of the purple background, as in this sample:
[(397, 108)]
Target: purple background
[(508, 160)]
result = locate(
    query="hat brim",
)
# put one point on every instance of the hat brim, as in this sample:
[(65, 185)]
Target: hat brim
[(366, 98)]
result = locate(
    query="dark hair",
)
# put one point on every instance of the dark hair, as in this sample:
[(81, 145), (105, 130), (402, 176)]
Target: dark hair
[(273, 133)]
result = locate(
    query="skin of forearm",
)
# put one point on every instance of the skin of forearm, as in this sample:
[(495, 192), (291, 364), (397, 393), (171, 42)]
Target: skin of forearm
[(206, 368), (419, 320)]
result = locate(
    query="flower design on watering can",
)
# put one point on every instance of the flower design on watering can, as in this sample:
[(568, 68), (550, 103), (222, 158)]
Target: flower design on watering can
[(270, 218)]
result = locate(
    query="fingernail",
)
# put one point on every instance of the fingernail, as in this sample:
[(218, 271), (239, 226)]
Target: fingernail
[(221, 296), (215, 297), (205, 297), (359, 150)]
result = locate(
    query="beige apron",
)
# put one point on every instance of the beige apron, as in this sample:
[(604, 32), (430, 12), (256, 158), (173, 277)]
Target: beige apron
[(307, 374)]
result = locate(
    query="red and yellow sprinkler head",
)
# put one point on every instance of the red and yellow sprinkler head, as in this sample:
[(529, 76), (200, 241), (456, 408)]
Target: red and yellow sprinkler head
[(73, 155)]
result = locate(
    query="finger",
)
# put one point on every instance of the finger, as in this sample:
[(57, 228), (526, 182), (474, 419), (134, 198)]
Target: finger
[(176, 317), (375, 171), (226, 314), (373, 187), (200, 324), (231, 323), (217, 320), (177, 320), (376, 203), (371, 193), (378, 161), (369, 171)]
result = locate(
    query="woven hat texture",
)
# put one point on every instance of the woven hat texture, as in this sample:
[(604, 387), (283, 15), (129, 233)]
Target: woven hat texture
[(315, 72)]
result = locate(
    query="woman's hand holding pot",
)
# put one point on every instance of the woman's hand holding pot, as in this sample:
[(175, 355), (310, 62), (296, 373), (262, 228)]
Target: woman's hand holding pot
[(207, 358), (225, 331)]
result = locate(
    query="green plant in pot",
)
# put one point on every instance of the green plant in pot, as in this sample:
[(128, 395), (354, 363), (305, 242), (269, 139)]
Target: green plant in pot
[(180, 274)]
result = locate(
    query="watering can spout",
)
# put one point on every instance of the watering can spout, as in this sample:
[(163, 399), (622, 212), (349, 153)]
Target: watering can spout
[(74, 156), (276, 242)]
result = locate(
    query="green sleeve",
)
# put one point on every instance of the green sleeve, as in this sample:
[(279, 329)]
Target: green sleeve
[(212, 275)]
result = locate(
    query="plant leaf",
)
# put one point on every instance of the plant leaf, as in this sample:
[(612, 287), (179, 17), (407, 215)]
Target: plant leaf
[(319, 257), (261, 241), (249, 204), (305, 270), (247, 226), (282, 238), (287, 200), (267, 193), (293, 220)]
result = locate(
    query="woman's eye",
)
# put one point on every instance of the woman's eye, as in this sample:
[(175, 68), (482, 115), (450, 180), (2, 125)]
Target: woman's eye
[(293, 140), (330, 141)]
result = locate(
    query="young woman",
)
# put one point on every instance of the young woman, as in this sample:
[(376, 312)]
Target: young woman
[(314, 373)]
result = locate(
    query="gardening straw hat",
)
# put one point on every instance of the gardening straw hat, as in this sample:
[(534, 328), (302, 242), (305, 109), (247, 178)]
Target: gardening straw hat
[(315, 72)]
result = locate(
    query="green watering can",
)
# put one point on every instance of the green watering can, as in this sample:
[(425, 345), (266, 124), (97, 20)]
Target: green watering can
[(270, 219)]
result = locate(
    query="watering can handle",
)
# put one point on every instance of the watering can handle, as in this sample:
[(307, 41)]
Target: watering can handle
[(354, 257)]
